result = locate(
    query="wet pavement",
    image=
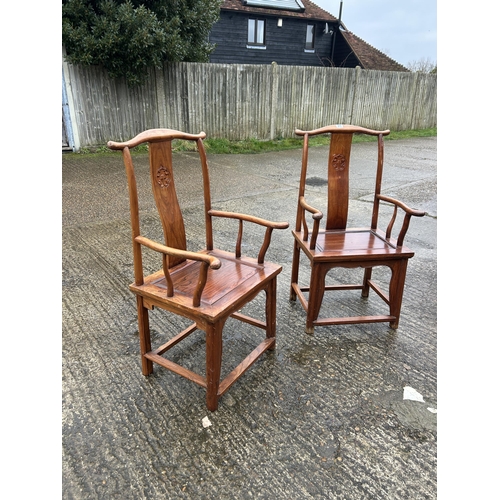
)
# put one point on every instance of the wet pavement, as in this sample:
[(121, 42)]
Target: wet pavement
[(347, 413)]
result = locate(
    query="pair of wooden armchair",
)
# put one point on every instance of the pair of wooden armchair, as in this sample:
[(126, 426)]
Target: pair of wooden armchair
[(209, 286)]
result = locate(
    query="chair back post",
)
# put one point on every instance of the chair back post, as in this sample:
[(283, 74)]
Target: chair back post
[(378, 181), (302, 183), (134, 216), (206, 194)]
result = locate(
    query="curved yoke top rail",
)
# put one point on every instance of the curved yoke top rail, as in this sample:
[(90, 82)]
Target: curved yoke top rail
[(155, 135), (342, 129)]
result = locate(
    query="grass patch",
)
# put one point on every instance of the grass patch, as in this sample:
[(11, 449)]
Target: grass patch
[(254, 146)]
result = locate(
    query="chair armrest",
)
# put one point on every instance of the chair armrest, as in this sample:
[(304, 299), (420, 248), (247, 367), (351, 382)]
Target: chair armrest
[(409, 213), (317, 215), (406, 208), (206, 261), (270, 225)]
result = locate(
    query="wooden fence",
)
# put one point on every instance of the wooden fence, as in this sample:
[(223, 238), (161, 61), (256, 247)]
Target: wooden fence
[(239, 102)]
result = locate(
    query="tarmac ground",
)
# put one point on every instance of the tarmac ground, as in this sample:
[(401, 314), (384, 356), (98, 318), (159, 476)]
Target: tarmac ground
[(349, 412)]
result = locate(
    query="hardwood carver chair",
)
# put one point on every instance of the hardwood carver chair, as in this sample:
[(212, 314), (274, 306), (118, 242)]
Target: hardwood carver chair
[(336, 246), (206, 286)]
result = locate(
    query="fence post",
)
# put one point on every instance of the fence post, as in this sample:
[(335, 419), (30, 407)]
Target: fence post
[(69, 110), (161, 100), (274, 97), (354, 92), (414, 98)]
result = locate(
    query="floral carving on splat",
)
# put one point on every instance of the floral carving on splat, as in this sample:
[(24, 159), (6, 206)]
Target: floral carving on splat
[(163, 177), (338, 162)]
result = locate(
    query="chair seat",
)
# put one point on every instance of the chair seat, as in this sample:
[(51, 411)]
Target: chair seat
[(227, 288), (352, 244)]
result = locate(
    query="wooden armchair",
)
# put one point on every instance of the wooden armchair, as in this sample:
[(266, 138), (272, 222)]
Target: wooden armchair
[(206, 286), (335, 245)]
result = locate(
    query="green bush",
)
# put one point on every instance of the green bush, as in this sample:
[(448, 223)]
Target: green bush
[(128, 37)]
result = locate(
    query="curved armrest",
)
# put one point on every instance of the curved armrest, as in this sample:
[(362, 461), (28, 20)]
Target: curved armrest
[(212, 262), (406, 208), (409, 213), (206, 261), (249, 218), (317, 215), (270, 225)]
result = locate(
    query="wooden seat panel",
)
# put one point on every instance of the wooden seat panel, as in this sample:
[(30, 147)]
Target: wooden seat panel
[(229, 284), (352, 244), (230, 276)]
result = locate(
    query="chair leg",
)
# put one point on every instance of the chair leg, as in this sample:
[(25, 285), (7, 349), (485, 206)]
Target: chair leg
[(271, 311), (144, 335), (367, 277), (396, 288), (295, 270), (213, 362), (316, 292)]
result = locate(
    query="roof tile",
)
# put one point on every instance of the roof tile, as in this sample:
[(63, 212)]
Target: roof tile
[(370, 57)]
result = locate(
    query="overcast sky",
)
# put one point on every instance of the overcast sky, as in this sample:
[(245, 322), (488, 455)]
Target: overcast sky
[(405, 30)]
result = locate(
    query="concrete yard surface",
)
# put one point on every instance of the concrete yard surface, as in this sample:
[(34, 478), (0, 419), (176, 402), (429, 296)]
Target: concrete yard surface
[(348, 413)]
